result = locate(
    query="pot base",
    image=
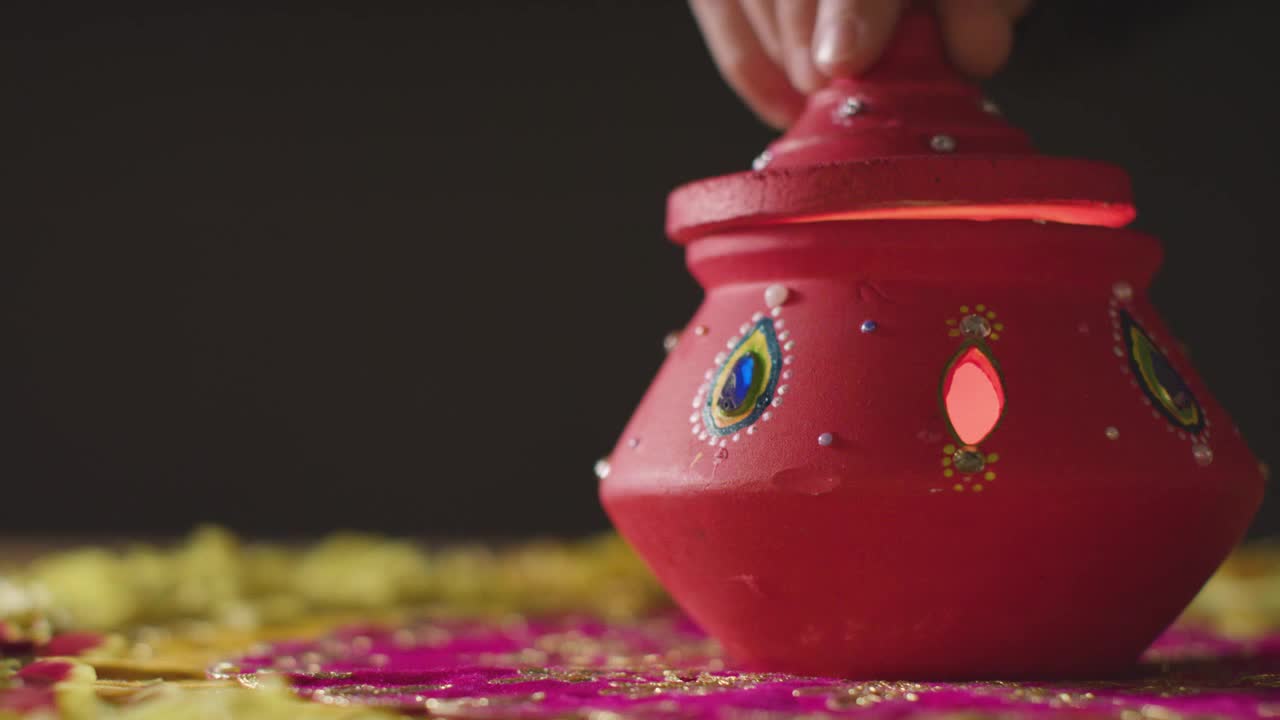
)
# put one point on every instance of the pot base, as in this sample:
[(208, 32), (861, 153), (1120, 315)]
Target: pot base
[(857, 581)]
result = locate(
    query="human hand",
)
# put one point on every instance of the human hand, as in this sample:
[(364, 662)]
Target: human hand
[(775, 52)]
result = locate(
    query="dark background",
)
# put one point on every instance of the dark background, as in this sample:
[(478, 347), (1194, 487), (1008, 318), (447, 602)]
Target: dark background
[(400, 266)]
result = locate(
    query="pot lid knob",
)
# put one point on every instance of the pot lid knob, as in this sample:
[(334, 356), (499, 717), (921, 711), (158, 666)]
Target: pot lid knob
[(911, 102), (911, 139)]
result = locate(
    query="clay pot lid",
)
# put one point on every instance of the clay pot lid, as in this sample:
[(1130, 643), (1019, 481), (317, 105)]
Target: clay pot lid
[(910, 139)]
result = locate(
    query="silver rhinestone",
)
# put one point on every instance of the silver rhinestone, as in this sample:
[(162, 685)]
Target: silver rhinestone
[(782, 389), (1123, 291), (671, 340), (777, 402), (633, 442), (1202, 453), (825, 439), (602, 468), (869, 326), (942, 143), (989, 107), (762, 161), (766, 417), (790, 345), (1112, 433), (968, 461), (844, 112), (975, 326), (736, 436)]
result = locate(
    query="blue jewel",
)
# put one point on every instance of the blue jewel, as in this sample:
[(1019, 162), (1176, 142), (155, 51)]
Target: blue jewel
[(738, 385), (869, 326)]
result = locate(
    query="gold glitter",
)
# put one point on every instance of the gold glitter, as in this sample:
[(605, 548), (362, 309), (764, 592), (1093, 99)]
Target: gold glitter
[(977, 487), (948, 472), (958, 487), (989, 475), (701, 330), (979, 307)]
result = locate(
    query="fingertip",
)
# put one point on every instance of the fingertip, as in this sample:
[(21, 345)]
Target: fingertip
[(745, 64), (851, 35), (804, 74), (766, 89), (795, 20), (978, 35)]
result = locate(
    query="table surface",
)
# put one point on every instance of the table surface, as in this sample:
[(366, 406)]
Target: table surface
[(356, 626)]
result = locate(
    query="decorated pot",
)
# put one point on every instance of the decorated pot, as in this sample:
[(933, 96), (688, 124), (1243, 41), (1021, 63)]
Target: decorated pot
[(926, 422)]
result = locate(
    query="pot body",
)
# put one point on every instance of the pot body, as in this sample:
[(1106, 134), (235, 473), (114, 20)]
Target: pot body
[(856, 503)]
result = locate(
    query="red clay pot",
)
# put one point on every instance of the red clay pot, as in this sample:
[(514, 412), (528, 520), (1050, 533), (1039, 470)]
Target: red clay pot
[(925, 424)]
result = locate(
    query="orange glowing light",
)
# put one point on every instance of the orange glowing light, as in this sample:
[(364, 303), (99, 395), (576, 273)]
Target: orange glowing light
[(1095, 214), (973, 396)]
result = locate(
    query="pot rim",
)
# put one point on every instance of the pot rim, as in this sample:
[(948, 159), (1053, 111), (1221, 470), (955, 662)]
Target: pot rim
[(928, 187)]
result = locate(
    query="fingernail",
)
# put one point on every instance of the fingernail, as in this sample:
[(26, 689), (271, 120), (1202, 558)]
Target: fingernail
[(837, 41), (826, 43)]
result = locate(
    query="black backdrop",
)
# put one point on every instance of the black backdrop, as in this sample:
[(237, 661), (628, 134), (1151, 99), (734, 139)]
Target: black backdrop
[(400, 266)]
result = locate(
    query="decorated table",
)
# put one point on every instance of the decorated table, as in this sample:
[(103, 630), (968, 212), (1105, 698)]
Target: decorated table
[(362, 626)]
